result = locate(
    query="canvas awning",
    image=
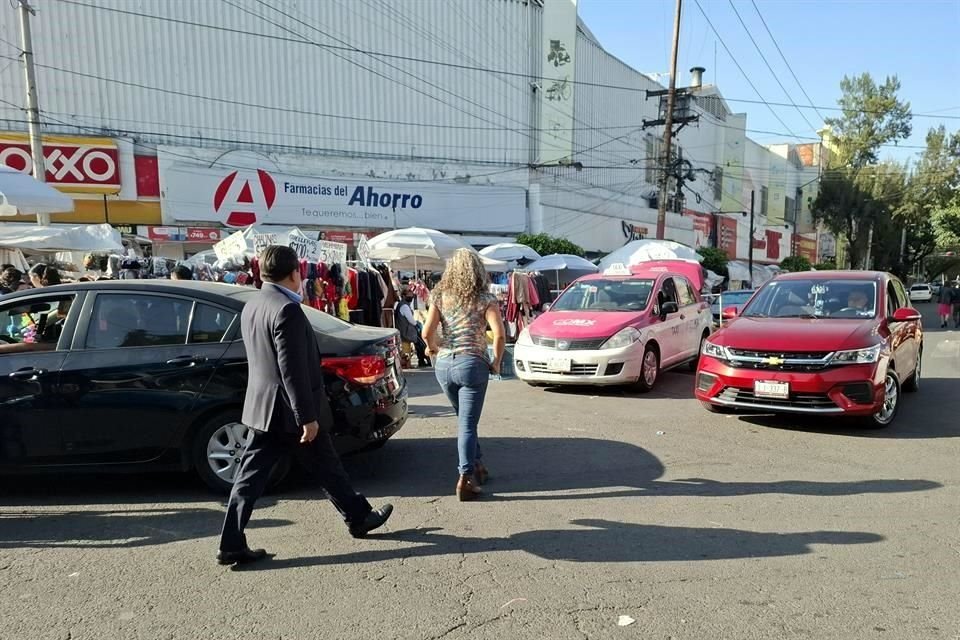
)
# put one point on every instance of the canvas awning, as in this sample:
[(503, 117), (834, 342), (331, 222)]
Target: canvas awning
[(86, 237), (21, 193)]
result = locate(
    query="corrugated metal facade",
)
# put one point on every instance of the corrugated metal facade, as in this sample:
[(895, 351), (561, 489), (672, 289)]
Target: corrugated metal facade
[(288, 74)]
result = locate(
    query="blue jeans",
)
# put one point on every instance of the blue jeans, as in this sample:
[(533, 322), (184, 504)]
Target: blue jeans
[(464, 379)]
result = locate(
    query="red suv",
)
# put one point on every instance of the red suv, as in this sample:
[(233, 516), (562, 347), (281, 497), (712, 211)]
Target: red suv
[(831, 343)]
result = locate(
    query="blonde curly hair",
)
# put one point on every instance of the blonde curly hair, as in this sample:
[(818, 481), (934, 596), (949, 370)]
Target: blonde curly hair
[(465, 280)]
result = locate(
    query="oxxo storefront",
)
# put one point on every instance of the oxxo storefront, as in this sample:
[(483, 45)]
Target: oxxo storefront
[(107, 179), (239, 190)]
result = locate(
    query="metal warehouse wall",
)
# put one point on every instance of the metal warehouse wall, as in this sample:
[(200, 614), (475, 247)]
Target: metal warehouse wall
[(285, 74)]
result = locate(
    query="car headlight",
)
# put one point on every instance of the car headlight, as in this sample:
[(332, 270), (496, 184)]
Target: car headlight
[(623, 338), (524, 339), (715, 351), (857, 356)]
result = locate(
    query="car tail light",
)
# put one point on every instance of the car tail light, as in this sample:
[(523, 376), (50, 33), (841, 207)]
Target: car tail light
[(362, 370)]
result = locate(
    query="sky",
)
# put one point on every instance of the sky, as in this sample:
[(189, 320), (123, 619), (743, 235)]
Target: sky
[(823, 40)]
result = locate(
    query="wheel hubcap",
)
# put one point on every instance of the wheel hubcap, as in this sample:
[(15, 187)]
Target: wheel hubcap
[(891, 396), (650, 368), (222, 449)]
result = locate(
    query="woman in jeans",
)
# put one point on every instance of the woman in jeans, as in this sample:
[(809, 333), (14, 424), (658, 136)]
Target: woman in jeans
[(462, 308)]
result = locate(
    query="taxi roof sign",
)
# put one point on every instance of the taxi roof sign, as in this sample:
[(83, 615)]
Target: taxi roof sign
[(617, 269)]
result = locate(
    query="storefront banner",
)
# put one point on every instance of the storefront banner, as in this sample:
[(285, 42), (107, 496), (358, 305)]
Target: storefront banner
[(345, 237), (234, 246), (240, 198), (558, 51), (73, 164), (181, 234)]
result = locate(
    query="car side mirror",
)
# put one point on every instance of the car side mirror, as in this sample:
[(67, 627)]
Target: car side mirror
[(730, 313), (668, 307), (906, 314)]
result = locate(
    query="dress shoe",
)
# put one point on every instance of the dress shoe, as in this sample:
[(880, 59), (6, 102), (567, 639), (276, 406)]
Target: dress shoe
[(240, 557), (467, 489), (374, 520), (480, 473)]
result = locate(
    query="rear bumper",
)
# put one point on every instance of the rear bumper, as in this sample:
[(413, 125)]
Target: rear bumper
[(854, 390), (367, 416), (595, 367)]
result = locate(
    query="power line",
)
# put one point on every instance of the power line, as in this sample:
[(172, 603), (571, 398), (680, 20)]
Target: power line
[(772, 72), (585, 83), (744, 73), (780, 51)]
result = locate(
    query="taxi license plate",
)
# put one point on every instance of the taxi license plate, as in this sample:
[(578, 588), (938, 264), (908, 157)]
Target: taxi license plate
[(562, 365), (778, 390)]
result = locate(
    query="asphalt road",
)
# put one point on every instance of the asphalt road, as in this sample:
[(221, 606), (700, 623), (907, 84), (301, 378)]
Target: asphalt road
[(601, 505)]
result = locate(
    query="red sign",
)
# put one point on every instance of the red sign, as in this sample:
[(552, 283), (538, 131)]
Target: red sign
[(773, 244), (238, 200), (148, 177), (184, 234), (73, 164), (203, 234), (343, 237), (702, 227)]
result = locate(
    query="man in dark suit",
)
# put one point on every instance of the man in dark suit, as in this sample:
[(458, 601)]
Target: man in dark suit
[(287, 407)]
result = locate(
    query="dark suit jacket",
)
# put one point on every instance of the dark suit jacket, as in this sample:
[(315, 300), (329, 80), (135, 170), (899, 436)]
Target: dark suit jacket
[(285, 382)]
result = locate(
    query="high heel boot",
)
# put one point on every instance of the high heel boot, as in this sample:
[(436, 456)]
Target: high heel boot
[(467, 488)]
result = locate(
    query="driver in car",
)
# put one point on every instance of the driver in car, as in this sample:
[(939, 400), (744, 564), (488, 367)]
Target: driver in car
[(858, 301)]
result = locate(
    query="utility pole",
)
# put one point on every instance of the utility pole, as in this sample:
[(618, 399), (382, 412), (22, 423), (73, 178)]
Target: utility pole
[(869, 247), (33, 108), (668, 128), (750, 241)]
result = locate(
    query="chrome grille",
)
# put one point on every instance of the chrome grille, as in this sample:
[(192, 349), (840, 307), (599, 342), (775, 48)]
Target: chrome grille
[(571, 345), (783, 360)]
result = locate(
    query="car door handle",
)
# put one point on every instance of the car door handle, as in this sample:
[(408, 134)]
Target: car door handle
[(27, 374), (186, 361)]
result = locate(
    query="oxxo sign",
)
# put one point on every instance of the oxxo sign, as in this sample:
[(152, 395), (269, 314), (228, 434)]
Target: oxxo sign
[(84, 165)]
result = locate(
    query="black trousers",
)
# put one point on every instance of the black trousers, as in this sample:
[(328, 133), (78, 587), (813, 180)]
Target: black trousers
[(319, 458)]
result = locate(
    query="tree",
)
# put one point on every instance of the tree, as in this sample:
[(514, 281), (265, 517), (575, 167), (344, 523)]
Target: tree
[(795, 263), (826, 265), (872, 116), (545, 244), (714, 260), (857, 196)]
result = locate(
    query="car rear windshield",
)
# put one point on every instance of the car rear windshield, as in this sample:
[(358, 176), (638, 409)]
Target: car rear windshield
[(919, 287), (814, 298), (605, 295), (318, 319)]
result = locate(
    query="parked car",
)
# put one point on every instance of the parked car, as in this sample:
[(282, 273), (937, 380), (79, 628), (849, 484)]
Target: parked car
[(728, 299), (130, 375), (826, 343), (935, 288), (921, 293), (623, 326)]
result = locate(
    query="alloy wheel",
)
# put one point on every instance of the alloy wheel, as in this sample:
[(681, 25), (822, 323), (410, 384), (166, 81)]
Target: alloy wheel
[(225, 449), (891, 396), (650, 366)]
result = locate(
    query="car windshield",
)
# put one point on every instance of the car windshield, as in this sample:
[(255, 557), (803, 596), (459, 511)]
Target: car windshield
[(814, 298), (605, 295), (318, 319)]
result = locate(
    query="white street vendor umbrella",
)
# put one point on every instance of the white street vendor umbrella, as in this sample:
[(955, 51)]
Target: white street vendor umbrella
[(21, 193), (558, 262), (509, 252), (650, 250), (422, 247)]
